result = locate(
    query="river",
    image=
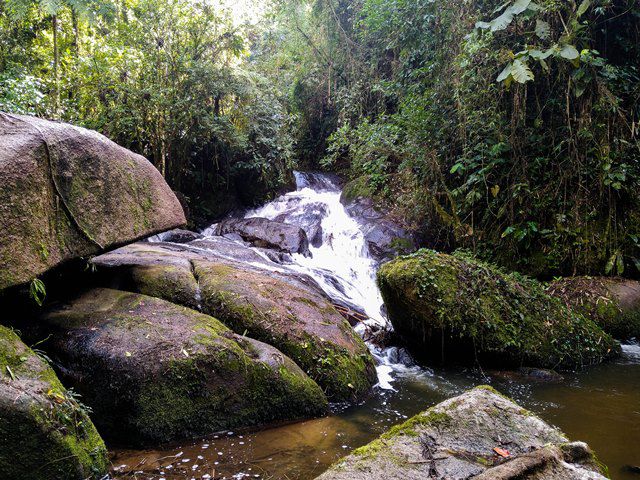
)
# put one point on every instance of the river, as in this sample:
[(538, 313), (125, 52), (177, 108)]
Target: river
[(600, 405)]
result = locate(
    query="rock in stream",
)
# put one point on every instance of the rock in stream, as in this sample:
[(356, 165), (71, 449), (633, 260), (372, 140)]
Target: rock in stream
[(481, 435)]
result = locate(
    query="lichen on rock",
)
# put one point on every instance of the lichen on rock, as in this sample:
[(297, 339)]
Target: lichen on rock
[(274, 307), (67, 192), (613, 303)]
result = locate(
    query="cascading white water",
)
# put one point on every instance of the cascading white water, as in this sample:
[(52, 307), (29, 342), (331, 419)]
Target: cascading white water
[(340, 262)]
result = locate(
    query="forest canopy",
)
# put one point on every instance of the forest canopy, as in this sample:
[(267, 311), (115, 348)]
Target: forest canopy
[(507, 128)]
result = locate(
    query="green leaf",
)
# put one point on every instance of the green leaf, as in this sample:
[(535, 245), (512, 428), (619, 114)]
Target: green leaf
[(521, 72), (569, 52), (456, 167), (543, 30), (520, 6), (584, 6), (505, 73), (620, 264)]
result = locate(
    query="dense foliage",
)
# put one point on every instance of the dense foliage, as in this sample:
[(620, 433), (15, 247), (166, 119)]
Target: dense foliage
[(509, 128), (165, 78), (506, 127)]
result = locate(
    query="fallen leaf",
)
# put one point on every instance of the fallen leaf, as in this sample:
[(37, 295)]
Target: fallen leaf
[(503, 453)]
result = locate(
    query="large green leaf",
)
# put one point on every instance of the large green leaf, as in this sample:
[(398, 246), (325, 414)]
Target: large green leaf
[(582, 9), (542, 29), (521, 72), (569, 52)]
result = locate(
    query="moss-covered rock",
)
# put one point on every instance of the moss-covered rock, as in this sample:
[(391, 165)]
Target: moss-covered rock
[(280, 309), (44, 433), (298, 321), (154, 372), (454, 308), (67, 192), (613, 303), (460, 438)]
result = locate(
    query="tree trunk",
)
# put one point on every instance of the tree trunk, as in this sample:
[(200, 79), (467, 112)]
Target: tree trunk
[(56, 73)]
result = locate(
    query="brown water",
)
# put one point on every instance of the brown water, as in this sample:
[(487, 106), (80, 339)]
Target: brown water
[(600, 406)]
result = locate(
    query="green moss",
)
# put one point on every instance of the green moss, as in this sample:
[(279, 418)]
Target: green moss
[(478, 310), (360, 187), (44, 431), (431, 418)]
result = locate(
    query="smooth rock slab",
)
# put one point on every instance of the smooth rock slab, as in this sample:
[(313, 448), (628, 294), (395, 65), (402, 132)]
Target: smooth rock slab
[(44, 432), (455, 440), (154, 372), (67, 192)]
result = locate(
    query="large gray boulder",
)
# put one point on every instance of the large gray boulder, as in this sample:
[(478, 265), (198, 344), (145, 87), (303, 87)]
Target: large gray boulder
[(67, 192), (481, 435), (283, 309), (154, 372), (262, 232), (44, 433)]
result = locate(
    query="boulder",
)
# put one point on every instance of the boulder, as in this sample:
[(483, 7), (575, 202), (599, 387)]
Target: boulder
[(481, 435), (154, 372), (265, 233), (45, 434), (309, 219), (283, 309), (613, 303), (177, 235), (454, 308), (386, 237), (67, 192)]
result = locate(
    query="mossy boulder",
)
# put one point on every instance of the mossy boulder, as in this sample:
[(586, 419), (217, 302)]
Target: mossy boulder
[(454, 308), (282, 309), (481, 435), (67, 192), (613, 303), (154, 372), (44, 432)]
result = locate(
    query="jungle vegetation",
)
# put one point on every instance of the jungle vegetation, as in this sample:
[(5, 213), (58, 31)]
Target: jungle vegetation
[(509, 128)]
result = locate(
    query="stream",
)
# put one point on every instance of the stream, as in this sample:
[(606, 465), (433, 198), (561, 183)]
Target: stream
[(600, 405)]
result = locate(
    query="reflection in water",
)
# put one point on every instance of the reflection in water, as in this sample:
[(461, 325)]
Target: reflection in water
[(600, 405)]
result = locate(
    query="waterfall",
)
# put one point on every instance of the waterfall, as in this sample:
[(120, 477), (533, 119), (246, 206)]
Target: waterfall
[(340, 260)]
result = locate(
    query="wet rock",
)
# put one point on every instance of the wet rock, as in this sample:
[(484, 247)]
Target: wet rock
[(462, 438), (283, 309), (67, 192), (265, 233), (542, 374), (309, 219), (44, 433), (154, 372), (385, 237), (613, 303), (178, 235), (453, 308)]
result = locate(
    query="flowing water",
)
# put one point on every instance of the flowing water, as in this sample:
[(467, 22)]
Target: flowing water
[(600, 405)]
